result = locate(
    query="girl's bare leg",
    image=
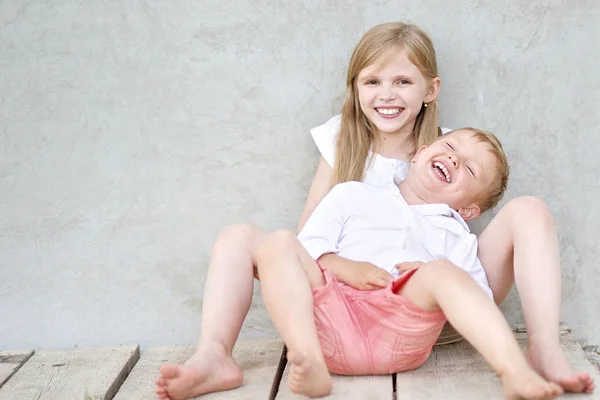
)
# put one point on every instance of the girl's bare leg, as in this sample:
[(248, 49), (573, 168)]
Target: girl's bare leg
[(520, 245), (288, 275), (441, 285), (227, 298)]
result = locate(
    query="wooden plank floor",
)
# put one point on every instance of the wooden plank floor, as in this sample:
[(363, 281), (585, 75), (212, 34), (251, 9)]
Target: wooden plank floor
[(349, 387), (258, 359), (454, 371), (10, 362), (139, 385), (458, 372), (78, 374)]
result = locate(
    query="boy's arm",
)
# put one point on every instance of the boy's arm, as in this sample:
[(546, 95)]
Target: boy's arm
[(320, 237), (361, 275)]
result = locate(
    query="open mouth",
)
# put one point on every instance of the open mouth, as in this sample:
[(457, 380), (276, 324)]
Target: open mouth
[(389, 112), (441, 171)]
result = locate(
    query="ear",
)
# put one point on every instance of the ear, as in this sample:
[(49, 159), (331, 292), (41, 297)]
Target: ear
[(469, 212), (414, 159), (434, 90)]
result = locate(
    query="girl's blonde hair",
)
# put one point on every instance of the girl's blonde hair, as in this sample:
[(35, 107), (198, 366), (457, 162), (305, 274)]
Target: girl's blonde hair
[(357, 132)]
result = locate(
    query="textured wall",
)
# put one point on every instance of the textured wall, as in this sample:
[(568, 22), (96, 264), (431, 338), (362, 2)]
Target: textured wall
[(131, 132)]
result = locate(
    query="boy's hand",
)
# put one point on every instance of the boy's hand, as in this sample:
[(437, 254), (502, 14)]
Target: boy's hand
[(407, 266), (365, 276)]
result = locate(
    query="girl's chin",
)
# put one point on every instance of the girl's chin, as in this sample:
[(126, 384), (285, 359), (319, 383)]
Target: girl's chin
[(389, 129)]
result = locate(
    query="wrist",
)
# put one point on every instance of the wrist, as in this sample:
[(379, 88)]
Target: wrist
[(330, 262)]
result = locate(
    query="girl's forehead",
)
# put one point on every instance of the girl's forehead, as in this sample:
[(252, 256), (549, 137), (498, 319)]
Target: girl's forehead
[(395, 61)]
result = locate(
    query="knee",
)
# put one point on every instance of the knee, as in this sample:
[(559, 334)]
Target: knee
[(280, 240), (241, 237), (529, 211), (438, 271), (239, 234)]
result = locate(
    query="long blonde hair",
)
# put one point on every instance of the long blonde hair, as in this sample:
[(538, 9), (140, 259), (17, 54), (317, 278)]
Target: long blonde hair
[(357, 132)]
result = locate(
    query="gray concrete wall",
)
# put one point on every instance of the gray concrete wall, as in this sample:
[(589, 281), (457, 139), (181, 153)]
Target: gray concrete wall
[(131, 132)]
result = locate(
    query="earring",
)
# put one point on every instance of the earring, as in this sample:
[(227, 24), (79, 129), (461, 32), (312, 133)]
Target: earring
[(425, 105)]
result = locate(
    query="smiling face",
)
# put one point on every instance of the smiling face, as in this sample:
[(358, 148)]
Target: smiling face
[(457, 170), (391, 92)]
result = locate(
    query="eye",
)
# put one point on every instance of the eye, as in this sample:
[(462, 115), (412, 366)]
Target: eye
[(449, 145), (471, 171), (404, 82), (372, 82)]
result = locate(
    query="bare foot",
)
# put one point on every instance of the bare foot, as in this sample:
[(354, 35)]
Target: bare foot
[(552, 364), (527, 384), (202, 373), (308, 377)]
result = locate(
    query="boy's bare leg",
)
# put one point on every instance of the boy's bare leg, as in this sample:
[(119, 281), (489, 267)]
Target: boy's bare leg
[(441, 285), (227, 297), (288, 274), (520, 245)]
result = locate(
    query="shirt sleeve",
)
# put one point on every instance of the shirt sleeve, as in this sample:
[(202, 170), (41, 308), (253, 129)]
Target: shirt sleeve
[(322, 231), (464, 255), (325, 137)]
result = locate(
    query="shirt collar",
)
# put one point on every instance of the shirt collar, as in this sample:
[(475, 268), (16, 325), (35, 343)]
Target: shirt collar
[(440, 209), (432, 209)]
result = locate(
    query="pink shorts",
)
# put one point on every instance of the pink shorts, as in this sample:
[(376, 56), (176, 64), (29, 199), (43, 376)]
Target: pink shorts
[(373, 332)]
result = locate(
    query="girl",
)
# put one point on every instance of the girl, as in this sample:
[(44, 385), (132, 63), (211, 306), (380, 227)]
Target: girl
[(390, 110)]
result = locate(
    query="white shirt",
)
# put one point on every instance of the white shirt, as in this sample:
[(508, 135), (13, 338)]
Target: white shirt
[(361, 222), (381, 171)]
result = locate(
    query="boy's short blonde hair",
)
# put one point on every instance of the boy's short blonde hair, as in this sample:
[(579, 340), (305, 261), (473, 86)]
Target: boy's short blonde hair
[(497, 187)]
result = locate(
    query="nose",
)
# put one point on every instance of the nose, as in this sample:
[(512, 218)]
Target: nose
[(454, 160), (387, 93)]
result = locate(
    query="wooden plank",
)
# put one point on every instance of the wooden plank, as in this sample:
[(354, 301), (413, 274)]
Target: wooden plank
[(258, 359), (79, 374), (11, 361), (563, 328), (593, 354), (454, 371), (575, 355), (348, 387), (139, 384), (457, 371), (450, 335)]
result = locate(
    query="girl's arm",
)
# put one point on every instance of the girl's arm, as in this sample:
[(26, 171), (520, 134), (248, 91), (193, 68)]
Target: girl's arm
[(321, 185)]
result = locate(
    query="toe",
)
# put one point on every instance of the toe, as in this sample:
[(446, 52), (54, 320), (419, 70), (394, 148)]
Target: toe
[(555, 390), (163, 396), (573, 383), (301, 370), (169, 371)]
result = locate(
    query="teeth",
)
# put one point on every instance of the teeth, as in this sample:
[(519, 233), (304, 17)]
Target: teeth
[(443, 169), (388, 111)]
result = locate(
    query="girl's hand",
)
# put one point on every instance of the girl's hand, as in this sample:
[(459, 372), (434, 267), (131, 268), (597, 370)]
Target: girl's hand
[(407, 266), (365, 276)]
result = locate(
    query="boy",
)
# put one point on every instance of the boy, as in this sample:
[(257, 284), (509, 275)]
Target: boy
[(329, 325)]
